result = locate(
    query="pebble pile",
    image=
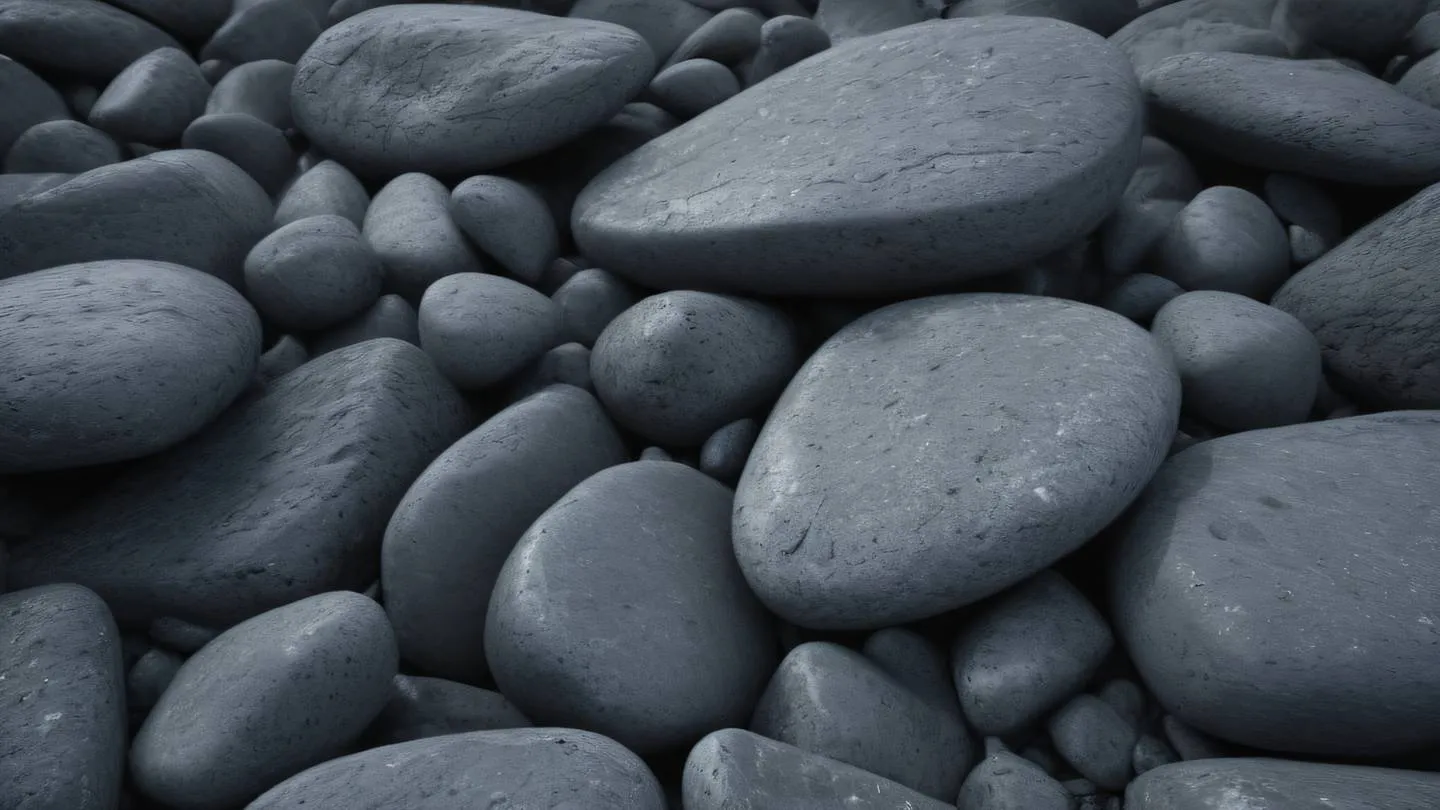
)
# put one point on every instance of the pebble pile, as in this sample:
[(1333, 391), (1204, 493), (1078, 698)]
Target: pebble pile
[(720, 405)]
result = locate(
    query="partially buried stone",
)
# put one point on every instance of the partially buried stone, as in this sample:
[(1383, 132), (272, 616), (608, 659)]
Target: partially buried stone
[(148, 679), (1302, 202), (1140, 296), (410, 226), (727, 38), (253, 145), (83, 37), (1363, 29), (313, 273), (154, 99), (179, 635), (390, 317), (1025, 425), (190, 20), (663, 23), (1104, 17), (912, 660), (260, 89), (61, 147), (1004, 781), (723, 455), (510, 222), (589, 301), (1151, 752), (1281, 785), (1094, 739), (859, 194), (1225, 239), (326, 188), (481, 329), (1191, 26), (847, 19), (784, 42), (693, 86), (29, 100), (432, 707), (566, 364), (270, 29)]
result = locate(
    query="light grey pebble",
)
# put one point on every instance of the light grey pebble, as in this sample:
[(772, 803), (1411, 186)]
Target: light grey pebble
[(481, 329), (510, 222), (691, 87), (325, 188), (409, 225), (61, 147), (313, 273), (154, 99), (1226, 239), (260, 89), (390, 317), (589, 300), (1281, 785), (723, 455)]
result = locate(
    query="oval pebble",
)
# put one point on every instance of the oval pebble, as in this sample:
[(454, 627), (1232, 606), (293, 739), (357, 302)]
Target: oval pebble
[(432, 707), (510, 222), (847, 19), (589, 300), (325, 188), (728, 38), (29, 100), (269, 29), (663, 23), (253, 145), (1004, 781), (153, 100), (481, 329), (409, 225), (785, 41), (1197, 26), (1140, 296), (389, 317), (260, 89), (84, 37), (1095, 740), (566, 364), (723, 455), (147, 680), (179, 635), (313, 273), (1364, 29), (61, 147), (689, 88), (1225, 239)]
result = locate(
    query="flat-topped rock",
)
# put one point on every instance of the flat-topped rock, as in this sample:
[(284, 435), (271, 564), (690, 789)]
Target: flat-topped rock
[(1280, 785)]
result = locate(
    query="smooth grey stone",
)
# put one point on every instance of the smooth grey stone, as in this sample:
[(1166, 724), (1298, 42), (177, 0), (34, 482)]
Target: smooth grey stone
[(1225, 239), (86, 38), (723, 455), (1325, 121), (874, 182), (655, 454), (179, 635), (1199, 26), (189, 207), (276, 694), (1305, 246), (1424, 38), (1004, 781), (390, 317), (109, 361), (29, 100), (589, 301), (832, 701), (190, 20), (1151, 752), (1140, 296), (154, 99), (1281, 785), (1131, 237), (1127, 698), (1189, 743), (663, 23), (1080, 788), (1374, 304), (1074, 272), (733, 768), (566, 364), (995, 745), (61, 147), (784, 42), (1027, 652), (81, 98), (481, 329), (325, 188), (541, 767), (1297, 201), (1164, 173), (1095, 739), (1364, 29), (678, 366), (432, 707), (285, 356), (1039, 753), (1314, 546), (510, 222), (451, 534), (148, 679), (729, 37), (260, 89), (1104, 17), (916, 663), (260, 149), (560, 271), (957, 464), (1243, 365), (62, 700), (313, 273), (215, 70), (638, 554), (270, 29), (691, 87), (409, 225), (319, 9), (15, 187), (536, 81), (847, 19), (1422, 82), (284, 497)]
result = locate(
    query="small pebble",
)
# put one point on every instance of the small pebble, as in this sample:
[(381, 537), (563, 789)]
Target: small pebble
[(481, 329), (313, 273), (1094, 739), (61, 147), (723, 455)]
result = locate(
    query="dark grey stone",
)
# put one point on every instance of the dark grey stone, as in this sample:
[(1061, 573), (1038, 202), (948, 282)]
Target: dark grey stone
[(1314, 548), (319, 9), (14, 187), (638, 555), (728, 38), (215, 70), (284, 497), (109, 361), (664, 24), (691, 87), (260, 89), (1422, 81), (1225, 239), (285, 356), (29, 100), (313, 273), (1127, 698), (62, 700), (1191, 26), (956, 464), (832, 701), (325, 188), (189, 207), (153, 100), (784, 42), (269, 29), (179, 635), (61, 147), (148, 679), (566, 364), (390, 317), (451, 534), (847, 19), (1026, 653), (1104, 17), (589, 301), (1364, 29), (1374, 304), (432, 707), (1130, 238), (535, 81), (560, 271), (1151, 752), (1280, 785), (655, 454), (1325, 120), (916, 663), (409, 225), (276, 694), (1140, 296), (1297, 201), (481, 329), (260, 149), (1424, 38), (190, 20), (734, 768), (874, 182), (1189, 743), (83, 37), (678, 366), (543, 767), (1095, 740), (1243, 365), (510, 222), (723, 455), (1004, 781)]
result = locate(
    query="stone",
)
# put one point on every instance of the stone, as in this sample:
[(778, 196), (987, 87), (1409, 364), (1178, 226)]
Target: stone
[(409, 225), (110, 361), (62, 700), (285, 356), (1095, 740), (664, 24), (1281, 785), (1026, 653), (847, 19), (1422, 81), (448, 539), (589, 301), (536, 81), (190, 20), (935, 452), (678, 366), (784, 42), (639, 555), (874, 182), (832, 701), (1297, 201), (1312, 545), (729, 38), (1243, 365), (911, 659), (390, 317), (1325, 121), (1199, 26), (1151, 752), (29, 100), (734, 768), (691, 87), (1189, 743), (313, 273), (566, 364), (1131, 237), (148, 679), (179, 635), (187, 207), (723, 455), (1004, 781), (542, 767), (215, 70), (260, 89), (1140, 296), (276, 694), (1225, 239), (1374, 304), (510, 222), (1104, 17), (481, 329), (285, 497), (153, 100), (61, 147), (86, 38), (1364, 29), (269, 29), (260, 149), (1127, 698), (1164, 173), (431, 707), (327, 188)]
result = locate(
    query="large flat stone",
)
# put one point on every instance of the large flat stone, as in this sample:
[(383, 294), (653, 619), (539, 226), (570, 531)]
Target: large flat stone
[(1213, 784)]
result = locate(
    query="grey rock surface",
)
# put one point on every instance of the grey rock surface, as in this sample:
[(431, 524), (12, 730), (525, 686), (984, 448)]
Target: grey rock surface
[(260, 89), (190, 20), (390, 317), (313, 273), (1225, 239), (255, 146), (325, 188), (664, 24), (29, 99), (1104, 17), (784, 42), (481, 329), (510, 222), (1367, 30), (911, 659), (1281, 785), (589, 301), (691, 87), (269, 29), (61, 147), (1004, 781), (1095, 740), (153, 100), (847, 19), (723, 455), (728, 38), (432, 707), (409, 225), (1140, 296), (1199, 26), (85, 37)]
